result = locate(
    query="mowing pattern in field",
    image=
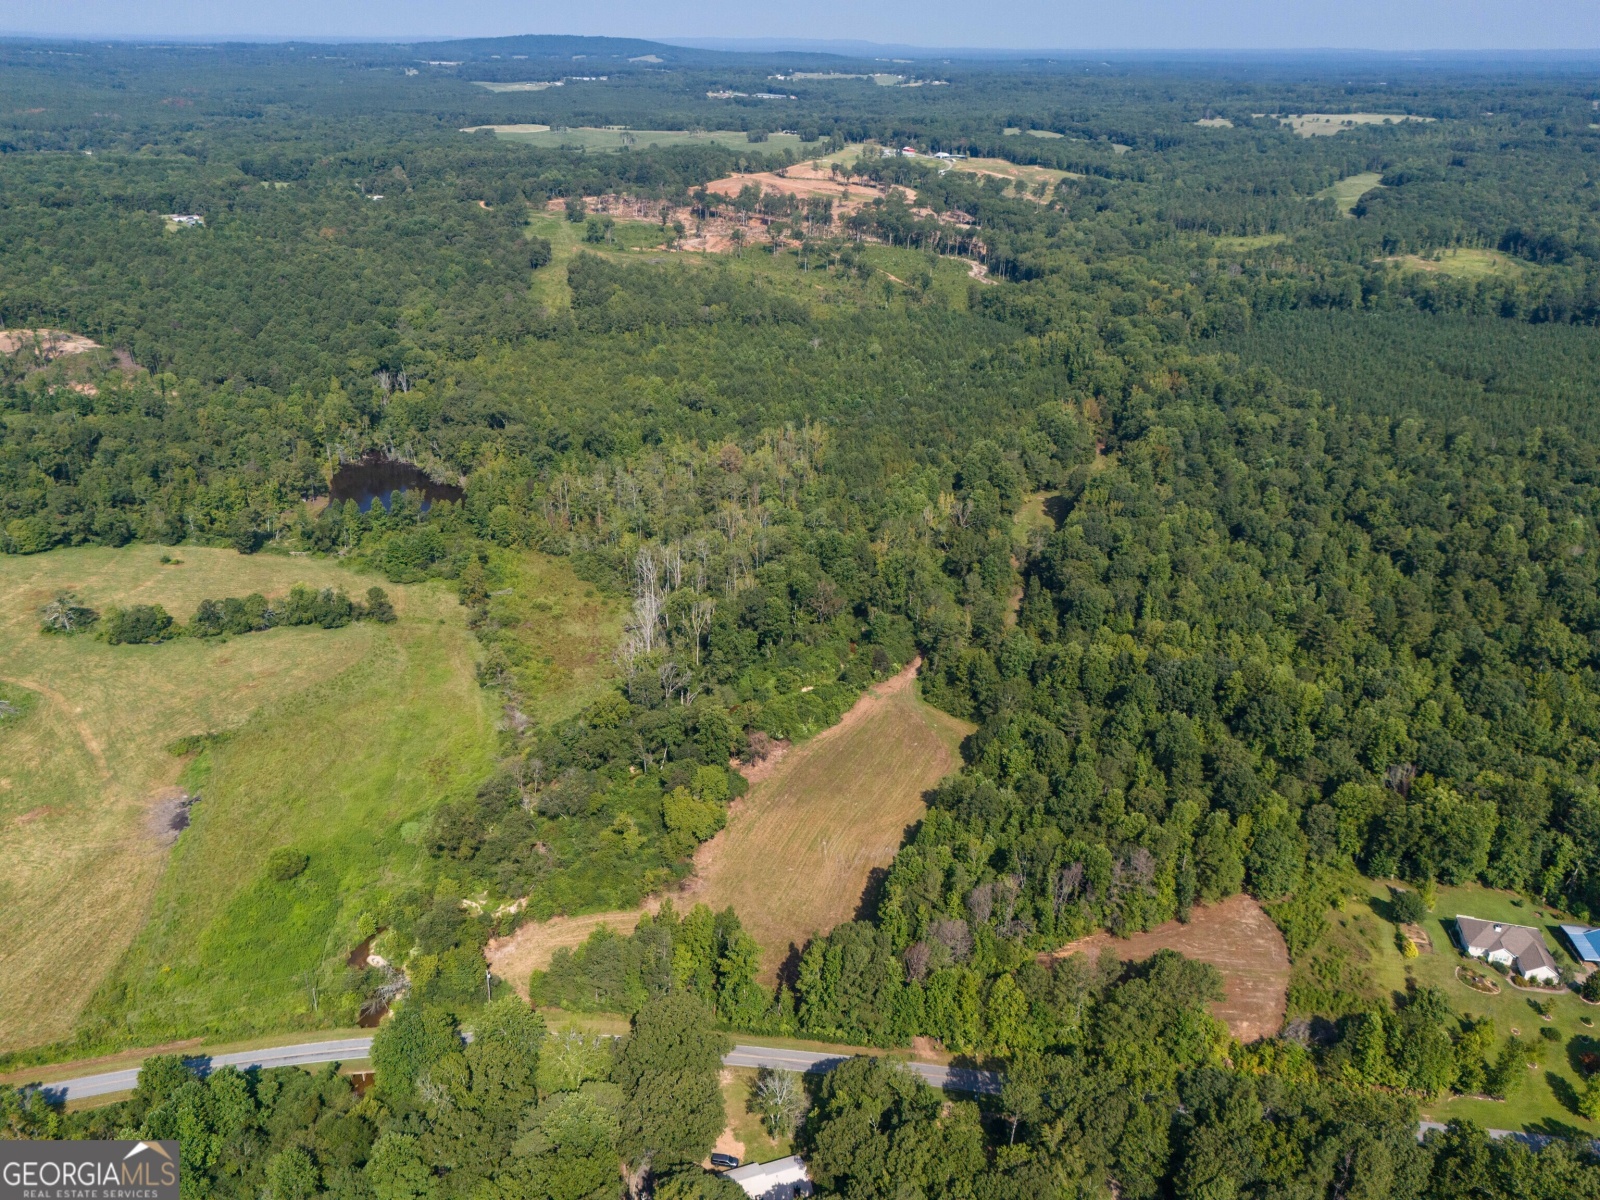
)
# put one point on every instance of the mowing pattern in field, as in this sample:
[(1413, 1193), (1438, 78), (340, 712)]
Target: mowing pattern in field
[(1238, 939), (797, 854), (83, 771), (798, 850)]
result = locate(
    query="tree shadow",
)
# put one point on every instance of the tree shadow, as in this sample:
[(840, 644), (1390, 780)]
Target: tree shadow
[(789, 968), (1058, 508), (1566, 1095), (871, 894), (1583, 1054)]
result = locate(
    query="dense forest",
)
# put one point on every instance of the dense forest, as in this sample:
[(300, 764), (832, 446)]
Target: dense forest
[(1315, 600)]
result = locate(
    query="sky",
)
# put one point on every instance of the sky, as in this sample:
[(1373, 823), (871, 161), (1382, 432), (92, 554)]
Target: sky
[(1394, 25)]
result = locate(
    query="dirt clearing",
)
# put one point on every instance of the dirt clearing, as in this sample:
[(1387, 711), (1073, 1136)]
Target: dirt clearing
[(531, 947), (1234, 936)]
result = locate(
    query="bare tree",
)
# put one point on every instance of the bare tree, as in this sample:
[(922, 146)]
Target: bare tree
[(699, 622), (648, 599), (781, 1100)]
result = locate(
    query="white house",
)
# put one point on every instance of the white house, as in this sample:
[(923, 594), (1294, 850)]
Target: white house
[(186, 218), (782, 1179), (1518, 947)]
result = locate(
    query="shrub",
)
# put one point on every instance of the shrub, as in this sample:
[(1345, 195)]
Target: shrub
[(378, 607), (283, 864), (139, 625), (1408, 908), (1591, 987), (66, 615)]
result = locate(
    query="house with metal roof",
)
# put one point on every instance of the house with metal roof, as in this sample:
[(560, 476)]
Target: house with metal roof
[(781, 1179), (1519, 947), (1585, 942)]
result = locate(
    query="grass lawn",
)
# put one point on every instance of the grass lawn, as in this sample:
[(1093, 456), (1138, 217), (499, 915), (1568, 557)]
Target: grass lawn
[(744, 1122), (1349, 190), (1544, 1101)]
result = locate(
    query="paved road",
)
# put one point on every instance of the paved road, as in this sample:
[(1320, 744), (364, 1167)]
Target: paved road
[(349, 1049)]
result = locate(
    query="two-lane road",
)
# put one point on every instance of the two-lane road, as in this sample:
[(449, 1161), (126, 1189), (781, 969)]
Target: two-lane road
[(351, 1049)]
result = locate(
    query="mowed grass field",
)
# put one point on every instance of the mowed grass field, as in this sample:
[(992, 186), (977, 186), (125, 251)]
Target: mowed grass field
[(82, 773), (798, 851), (1350, 189), (799, 848)]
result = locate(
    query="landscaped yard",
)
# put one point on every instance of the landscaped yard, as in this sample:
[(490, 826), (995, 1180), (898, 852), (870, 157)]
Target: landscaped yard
[(1545, 1098)]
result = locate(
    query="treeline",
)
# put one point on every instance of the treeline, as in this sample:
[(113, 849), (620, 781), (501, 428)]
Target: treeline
[(142, 624)]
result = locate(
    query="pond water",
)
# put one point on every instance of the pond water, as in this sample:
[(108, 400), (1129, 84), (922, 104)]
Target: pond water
[(376, 478)]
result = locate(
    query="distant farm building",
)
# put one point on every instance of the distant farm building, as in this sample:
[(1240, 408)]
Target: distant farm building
[(1517, 947), (186, 218)]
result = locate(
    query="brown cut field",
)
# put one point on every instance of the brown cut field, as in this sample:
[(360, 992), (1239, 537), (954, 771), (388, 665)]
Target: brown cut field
[(802, 844), (1237, 938), (800, 847)]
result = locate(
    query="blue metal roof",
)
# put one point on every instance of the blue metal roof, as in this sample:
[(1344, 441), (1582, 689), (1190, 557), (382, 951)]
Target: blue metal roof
[(1585, 941)]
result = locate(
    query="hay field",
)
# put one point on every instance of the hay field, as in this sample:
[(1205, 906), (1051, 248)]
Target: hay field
[(798, 850), (1234, 936), (83, 773)]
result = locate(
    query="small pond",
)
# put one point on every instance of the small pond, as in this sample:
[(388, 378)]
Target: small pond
[(374, 477)]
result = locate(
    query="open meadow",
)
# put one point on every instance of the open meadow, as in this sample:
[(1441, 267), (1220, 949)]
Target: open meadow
[(615, 139), (1346, 193), (336, 743), (1326, 124), (85, 776)]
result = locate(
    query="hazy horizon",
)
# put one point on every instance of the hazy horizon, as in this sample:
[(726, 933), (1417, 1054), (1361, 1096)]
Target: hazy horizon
[(1370, 26)]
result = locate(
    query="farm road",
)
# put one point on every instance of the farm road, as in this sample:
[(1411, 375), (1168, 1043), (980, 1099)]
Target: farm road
[(350, 1049)]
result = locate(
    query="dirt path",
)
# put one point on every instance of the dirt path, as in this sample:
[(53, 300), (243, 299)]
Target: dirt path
[(801, 846), (85, 734), (1237, 938)]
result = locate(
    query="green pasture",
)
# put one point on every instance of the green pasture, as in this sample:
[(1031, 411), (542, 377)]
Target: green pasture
[(1348, 191)]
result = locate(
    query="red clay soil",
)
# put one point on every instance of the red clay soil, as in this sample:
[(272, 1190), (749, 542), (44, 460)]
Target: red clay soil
[(1234, 936)]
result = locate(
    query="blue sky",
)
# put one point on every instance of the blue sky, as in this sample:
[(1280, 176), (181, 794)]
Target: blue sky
[(1022, 24)]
